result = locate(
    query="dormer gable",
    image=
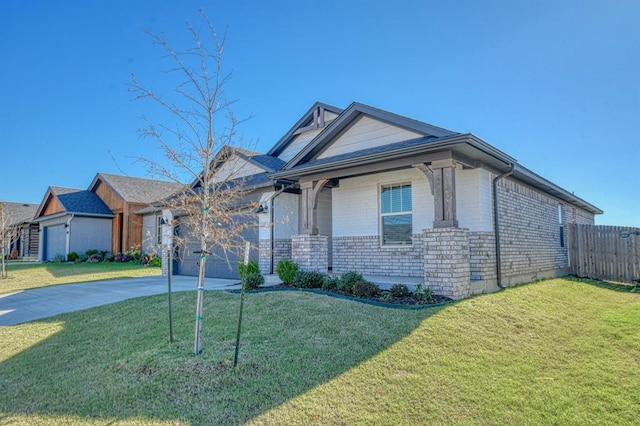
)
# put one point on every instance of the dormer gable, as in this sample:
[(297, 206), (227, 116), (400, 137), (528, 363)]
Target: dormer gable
[(314, 121), (361, 127)]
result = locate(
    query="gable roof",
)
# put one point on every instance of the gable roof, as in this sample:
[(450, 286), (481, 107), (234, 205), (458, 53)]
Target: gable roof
[(301, 123), (134, 189), (352, 113), (19, 212), (75, 201)]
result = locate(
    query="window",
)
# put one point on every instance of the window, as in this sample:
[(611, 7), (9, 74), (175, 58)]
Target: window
[(561, 226), (159, 230), (395, 214)]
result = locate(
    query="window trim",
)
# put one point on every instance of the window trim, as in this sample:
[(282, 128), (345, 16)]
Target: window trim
[(382, 215), (158, 230)]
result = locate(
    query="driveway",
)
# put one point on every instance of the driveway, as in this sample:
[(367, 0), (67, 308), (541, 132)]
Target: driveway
[(29, 305)]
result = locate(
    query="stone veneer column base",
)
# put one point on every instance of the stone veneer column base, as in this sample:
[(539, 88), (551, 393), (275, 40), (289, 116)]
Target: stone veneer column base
[(446, 262), (310, 252)]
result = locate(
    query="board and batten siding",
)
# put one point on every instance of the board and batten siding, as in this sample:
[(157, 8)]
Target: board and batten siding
[(236, 168), (150, 233), (367, 133), (297, 144)]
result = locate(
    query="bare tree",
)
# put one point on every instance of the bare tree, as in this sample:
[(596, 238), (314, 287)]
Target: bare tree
[(7, 235), (199, 147)]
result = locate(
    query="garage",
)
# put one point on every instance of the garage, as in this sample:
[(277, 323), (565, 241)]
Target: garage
[(55, 241), (217, 265)]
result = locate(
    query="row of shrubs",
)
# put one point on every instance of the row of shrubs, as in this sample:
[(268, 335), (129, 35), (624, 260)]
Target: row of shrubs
[(351, 283), (94, 256)]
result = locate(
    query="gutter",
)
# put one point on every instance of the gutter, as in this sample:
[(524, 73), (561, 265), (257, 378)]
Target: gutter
[(496, 223)]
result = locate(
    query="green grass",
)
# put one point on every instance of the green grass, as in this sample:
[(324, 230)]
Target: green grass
[(552, 352), (25, 276)]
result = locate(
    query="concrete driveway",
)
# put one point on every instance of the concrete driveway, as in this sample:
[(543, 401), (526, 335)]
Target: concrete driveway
[(29, 305)]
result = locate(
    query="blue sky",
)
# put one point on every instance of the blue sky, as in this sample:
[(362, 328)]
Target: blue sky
[(555, 84)]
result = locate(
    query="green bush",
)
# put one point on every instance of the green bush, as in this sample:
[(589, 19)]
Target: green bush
[(136, 255), (330, 283), (399, 290), (253, 280), (58, 258), (365, 289), (252, 268), (423, 292), (348, 280), (72, 256), (286, 270), (308, 279), (91, 252), (156, 261)]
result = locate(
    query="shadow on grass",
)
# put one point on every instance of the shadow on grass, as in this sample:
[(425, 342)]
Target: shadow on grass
[(115, 363)]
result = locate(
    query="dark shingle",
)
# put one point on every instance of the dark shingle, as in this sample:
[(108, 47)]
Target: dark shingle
[(139, 190)]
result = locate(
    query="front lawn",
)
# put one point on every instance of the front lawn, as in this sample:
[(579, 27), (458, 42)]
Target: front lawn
[(553, 352), (25, 276)]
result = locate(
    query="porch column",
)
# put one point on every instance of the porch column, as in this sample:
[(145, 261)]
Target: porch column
[(447, 269), (310, 191), (442, 180)]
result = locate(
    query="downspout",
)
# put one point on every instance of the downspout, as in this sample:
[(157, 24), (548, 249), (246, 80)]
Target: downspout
[(496, 223)]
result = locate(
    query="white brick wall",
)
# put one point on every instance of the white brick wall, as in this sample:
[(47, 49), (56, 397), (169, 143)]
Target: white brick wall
[(356, 210), (473, 200)]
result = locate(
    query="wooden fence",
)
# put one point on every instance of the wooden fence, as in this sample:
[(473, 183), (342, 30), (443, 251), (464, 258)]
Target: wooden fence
[(609, 253)]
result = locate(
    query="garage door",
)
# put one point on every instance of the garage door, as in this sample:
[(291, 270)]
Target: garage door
[(55, 237), (217, 265)]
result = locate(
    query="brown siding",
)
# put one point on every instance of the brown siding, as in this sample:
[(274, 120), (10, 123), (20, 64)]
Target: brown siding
[(53, 206)]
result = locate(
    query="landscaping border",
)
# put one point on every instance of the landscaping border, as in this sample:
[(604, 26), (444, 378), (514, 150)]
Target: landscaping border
[(346, 297)]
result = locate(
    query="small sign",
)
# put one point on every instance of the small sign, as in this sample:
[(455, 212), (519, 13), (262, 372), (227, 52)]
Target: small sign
[(625, 235)]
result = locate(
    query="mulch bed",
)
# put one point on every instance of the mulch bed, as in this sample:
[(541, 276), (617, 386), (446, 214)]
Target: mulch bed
[(382, 298)]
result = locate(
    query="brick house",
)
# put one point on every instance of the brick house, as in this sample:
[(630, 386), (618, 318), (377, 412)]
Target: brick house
[(388, 196)]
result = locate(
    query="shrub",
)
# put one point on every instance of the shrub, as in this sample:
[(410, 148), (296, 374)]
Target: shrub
[(308, 279), (58, 258), (122, 257), (91, 252), (399, 290), (286, 270), (110, 258), (14, 253), (252, 268), (348, 280), (253, 280), (330, 283), (82, 258), (156, 261), (135, 254), (72, 256), (423, 293), (365, 289), (94, 258)]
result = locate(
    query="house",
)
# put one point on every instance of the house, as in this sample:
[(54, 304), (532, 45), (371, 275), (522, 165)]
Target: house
[(368, 190), (23, 232), (72, 220), (124, 195)]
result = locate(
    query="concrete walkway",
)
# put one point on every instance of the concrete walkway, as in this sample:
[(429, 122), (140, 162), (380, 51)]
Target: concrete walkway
[(37, 303)]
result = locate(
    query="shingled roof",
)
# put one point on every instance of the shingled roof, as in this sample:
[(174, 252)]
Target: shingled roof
[(137, 190), (80, 201), (19, 212)]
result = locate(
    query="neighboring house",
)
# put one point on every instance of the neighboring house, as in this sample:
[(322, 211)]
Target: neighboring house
[(24, 232), (368, 190), (72, 220), (124, 196)]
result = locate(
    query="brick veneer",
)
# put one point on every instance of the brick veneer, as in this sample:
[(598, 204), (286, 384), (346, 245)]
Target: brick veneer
[(446, 261), (365, 255), (310, 252), (281, 249)]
